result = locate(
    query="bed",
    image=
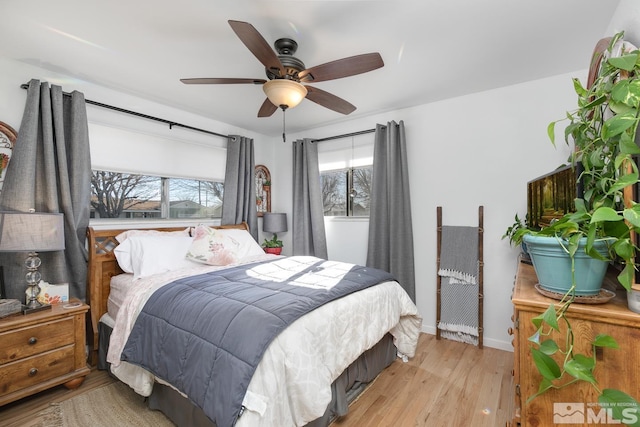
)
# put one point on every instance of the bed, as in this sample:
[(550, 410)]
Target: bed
[(307, 373)]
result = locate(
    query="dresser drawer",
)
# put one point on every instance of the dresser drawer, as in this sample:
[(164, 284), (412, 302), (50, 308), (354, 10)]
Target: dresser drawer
[(36, 369), (24, 342)]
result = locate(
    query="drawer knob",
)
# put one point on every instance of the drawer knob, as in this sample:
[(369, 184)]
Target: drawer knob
[(33, 340), (510, 330), (33, 372)]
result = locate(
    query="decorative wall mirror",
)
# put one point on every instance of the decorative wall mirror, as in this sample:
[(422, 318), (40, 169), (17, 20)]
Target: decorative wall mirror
[(7, 140), (263, 189)]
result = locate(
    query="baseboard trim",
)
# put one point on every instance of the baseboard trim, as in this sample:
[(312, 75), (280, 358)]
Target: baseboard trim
[(487, 342)]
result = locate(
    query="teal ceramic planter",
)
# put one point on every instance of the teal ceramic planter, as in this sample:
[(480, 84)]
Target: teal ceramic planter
[(553, 265)]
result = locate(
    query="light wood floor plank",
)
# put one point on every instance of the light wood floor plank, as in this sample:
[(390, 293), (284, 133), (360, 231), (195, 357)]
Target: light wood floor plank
[(446, 384)]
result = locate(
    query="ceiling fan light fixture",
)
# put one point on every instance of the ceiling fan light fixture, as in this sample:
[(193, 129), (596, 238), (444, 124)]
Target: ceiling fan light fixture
[(284, 92)]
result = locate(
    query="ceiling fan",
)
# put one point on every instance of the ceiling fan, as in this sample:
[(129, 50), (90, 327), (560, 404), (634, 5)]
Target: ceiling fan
[(288, 76)]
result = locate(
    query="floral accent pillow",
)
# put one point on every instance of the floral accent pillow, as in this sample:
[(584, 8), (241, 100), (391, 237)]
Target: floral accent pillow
[(212, 247)]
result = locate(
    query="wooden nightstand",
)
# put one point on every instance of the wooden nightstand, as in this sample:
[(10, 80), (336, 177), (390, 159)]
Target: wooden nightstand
[(41, 350)]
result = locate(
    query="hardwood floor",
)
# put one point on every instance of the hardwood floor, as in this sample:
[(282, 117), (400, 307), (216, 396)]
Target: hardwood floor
[(446, 384)]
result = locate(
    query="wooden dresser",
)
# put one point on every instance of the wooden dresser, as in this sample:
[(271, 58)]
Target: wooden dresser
[(615, 368), (41, 350)]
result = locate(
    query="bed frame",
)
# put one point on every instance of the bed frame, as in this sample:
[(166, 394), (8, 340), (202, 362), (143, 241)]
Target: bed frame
[(102, 267)]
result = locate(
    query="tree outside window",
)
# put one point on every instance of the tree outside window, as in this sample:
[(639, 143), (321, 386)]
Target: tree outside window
[(346, 192), (123, 195)]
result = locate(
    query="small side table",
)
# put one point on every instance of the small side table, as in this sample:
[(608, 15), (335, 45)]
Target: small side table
[(42, 350)]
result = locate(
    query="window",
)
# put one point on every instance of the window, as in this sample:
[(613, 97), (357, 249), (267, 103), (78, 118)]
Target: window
[(345, 175), (124, 195), (346, 192), (334, 192)]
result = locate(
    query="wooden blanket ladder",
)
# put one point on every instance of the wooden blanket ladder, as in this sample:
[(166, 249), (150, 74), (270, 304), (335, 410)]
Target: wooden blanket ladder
[(480, 273)]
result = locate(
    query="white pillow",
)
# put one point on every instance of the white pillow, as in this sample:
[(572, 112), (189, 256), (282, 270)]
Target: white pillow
[(122, 237), (154, 254), (247, 245), (123, 256)]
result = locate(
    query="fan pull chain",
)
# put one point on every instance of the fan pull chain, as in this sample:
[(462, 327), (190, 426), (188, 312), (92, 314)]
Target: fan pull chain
[(284, 137)]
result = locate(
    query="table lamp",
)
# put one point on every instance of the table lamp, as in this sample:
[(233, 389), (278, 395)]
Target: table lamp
[(31, 232), (274, 223)]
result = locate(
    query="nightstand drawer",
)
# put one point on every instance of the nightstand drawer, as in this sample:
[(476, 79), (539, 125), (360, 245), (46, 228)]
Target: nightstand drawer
[(37, 369), (24, 342)]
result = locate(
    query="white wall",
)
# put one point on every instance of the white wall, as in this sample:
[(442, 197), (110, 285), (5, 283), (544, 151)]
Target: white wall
[(475, 150), (627, 19)]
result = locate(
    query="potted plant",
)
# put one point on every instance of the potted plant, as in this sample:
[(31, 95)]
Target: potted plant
[(603, 129), (273, 246), (266, 185)]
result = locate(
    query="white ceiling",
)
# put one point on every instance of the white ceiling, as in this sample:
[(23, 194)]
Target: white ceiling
[(432, 49)]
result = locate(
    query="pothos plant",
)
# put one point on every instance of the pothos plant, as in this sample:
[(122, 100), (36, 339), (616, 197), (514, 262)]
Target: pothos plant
[(603, 130), (512, 232)]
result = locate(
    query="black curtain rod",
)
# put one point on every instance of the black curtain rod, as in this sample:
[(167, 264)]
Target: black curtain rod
[(346, 135), (144, 116)]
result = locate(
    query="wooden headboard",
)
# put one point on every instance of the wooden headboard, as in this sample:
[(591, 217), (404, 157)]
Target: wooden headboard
[(102, 267)]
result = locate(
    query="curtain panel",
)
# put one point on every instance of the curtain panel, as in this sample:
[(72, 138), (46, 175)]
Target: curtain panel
[(50, 171), (390, 244), (239, 201), (309, 236)]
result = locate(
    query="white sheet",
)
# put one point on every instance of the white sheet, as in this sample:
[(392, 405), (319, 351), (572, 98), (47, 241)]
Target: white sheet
[(107, 320), (119, 286), (292, 384)]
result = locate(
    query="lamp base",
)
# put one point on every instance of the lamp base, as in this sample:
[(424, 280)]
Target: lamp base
[(27, 309)]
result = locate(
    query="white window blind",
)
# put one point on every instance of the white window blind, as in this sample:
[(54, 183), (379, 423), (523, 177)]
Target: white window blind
[(346, 152)]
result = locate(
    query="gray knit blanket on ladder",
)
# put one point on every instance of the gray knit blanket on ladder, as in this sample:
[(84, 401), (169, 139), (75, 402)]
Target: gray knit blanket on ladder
[(459, 284)]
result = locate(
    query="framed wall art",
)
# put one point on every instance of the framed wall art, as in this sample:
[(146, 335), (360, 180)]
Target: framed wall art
[(263, 189), (7, 140)]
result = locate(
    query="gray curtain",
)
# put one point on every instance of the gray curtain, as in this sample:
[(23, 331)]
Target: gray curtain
[(239, 201), (50, 171), (309, 237), (390, 245)]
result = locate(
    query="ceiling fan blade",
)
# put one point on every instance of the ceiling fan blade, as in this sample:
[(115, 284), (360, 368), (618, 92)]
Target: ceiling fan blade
[(254, 41), (267, 109), (329, 100), (221, 81), (340, 68)]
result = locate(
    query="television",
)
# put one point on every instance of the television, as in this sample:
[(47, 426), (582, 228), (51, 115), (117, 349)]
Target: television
[(551, 196)]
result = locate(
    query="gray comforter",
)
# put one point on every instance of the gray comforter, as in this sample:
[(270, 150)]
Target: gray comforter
[(206, 334)]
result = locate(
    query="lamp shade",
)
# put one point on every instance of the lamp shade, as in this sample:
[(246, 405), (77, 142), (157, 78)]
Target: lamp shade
[(284, 92), (274, 222), (31, 232)]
